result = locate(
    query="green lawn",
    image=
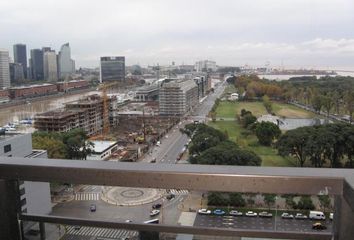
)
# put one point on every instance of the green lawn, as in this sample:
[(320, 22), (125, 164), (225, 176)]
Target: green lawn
[(291, 111), (268, 155), (229, 109)]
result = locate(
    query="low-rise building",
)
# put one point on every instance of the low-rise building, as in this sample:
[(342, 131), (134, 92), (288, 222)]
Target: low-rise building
[(102, 150)]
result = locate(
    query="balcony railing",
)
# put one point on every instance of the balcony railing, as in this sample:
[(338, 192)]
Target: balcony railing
[(335, 182)]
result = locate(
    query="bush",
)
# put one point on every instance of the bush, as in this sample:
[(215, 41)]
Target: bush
[(306, 203)]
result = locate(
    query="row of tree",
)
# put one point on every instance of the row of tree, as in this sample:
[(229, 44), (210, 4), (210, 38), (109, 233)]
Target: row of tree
[(303, 202), (69, 145), (319, 145), (211, 146), (329, 94)]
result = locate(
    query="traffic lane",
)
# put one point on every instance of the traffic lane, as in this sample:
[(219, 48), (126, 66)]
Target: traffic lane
[(258, 223), (174, 151), (301, 225), (104, 210), (234, 222)]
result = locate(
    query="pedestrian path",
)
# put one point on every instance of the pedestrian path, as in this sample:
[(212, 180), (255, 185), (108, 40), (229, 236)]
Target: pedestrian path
[(87, 196), (178, 192), (107, 233)]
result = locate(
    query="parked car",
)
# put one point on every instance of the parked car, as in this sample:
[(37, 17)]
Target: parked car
[(157, 206), (93, 208), (265, 214), (235, 213), (219, 212), (318, 226), (128, 221), (300, 216), (170, 196), (204, 211), (153, 160), (251, 214), (154, 212), (331, 216), (287, 216)]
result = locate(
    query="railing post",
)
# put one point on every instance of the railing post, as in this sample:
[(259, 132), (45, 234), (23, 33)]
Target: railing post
[(343, 222), (10, 226)]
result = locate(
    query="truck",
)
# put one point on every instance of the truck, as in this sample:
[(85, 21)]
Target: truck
[(317, 215)]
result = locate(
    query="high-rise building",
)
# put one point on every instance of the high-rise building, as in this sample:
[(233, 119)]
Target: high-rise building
[(112, 69), (20, 56), (50, 66), (36, 64), (66, 66), (4, 69), (16, 72)]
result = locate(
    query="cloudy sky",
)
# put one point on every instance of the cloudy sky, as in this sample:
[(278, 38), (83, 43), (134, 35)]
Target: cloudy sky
[(295, 33)]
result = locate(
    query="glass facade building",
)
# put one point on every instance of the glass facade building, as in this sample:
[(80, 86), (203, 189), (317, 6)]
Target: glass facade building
[(112, 69)]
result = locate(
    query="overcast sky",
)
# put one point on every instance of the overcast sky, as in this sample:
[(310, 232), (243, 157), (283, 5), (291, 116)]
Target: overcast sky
[(297, 33)]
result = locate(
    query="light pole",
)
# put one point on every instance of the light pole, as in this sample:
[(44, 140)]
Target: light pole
[(276, 211)]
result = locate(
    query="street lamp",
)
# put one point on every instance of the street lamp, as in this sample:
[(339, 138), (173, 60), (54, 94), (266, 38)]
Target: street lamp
[(276, 211)]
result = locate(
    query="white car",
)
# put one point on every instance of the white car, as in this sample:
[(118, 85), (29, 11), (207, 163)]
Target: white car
[(331, 216), (265, 214), (287, 216), (204, 211), (300, 216), (235, 213), (154, 212), (251, 214)]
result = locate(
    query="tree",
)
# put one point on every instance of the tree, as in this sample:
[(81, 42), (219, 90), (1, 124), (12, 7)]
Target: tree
[(77, 144), (305, 203), (317, 103), (237, 200), (267, 132), (325, 201), (349, 104), (248, 119), (269, 199), (293, 143), (217, 199), (55, 148), (227, 153), (327, 103), (267, 103)]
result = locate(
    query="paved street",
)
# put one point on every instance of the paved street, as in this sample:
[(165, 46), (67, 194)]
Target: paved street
[(88, 232), (258, 223)]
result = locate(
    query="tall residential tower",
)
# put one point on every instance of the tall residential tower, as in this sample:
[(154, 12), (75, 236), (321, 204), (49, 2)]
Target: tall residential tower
[(4, 69)]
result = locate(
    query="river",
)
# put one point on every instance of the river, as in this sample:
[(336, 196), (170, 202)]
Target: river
[(23, 111)]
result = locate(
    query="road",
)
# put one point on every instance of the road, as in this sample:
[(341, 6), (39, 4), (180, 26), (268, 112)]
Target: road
[(255, 223), (166, 153)]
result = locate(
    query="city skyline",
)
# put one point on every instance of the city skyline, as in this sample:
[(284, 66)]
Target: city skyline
[(290, 33)]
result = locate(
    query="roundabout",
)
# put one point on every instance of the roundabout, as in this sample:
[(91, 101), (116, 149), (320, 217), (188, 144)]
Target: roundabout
[(124, 196)]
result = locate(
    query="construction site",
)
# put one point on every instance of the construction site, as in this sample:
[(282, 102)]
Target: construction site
[(134, 126)]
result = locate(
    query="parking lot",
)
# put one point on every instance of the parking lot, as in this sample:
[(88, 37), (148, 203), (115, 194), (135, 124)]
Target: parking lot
[(256, 223)]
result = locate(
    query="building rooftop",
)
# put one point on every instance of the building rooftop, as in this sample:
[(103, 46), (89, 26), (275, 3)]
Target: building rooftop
[(101, 146)]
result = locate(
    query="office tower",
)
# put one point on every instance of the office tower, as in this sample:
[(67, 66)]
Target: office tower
[(112, 69), (4, 69), (16, 72), (66, 65), (36, 64), (50, 67), (20, 56)]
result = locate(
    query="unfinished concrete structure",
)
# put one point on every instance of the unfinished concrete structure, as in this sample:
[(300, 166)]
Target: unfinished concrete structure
[(86, 113), (178, 97)]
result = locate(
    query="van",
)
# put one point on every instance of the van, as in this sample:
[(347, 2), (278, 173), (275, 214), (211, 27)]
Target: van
[(317, 215)]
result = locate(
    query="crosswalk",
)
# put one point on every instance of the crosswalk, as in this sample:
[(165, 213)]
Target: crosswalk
[(87, 196), (107, 233), (178, 191)]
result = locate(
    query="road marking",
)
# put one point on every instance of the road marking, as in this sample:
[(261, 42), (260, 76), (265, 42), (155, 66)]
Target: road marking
[(87, 196)]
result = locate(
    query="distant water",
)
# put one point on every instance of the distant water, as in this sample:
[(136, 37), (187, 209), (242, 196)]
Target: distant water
[(287, 77)]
